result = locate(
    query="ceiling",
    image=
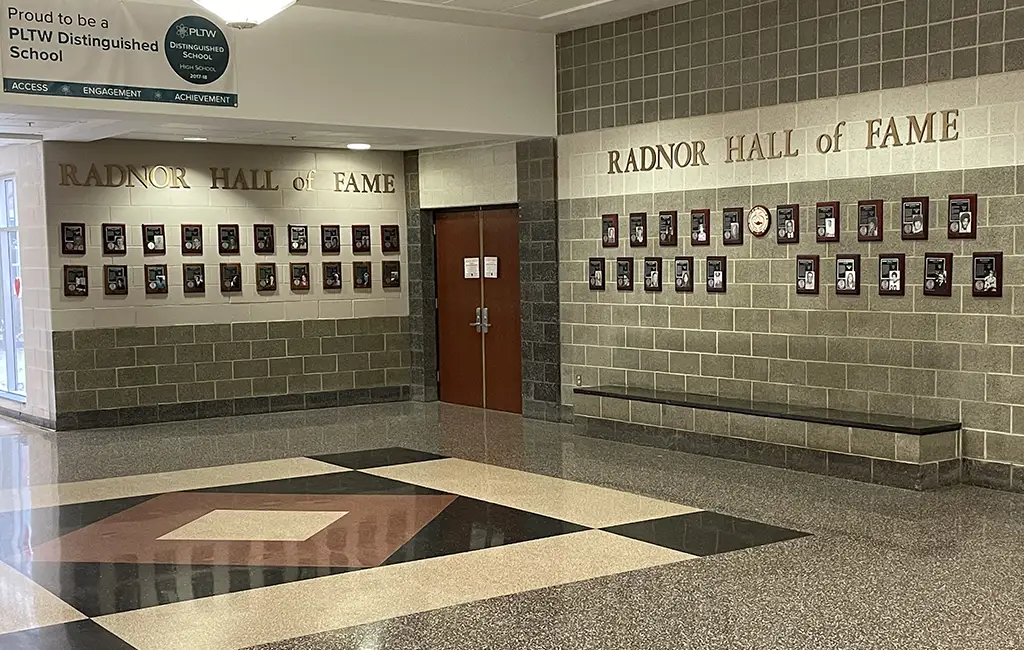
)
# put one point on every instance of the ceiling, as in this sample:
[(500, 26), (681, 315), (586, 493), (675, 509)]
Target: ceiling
[(551, 16)]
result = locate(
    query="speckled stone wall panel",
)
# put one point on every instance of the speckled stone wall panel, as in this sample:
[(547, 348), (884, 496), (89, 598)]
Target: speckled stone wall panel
[(708, 57), (422, 288)]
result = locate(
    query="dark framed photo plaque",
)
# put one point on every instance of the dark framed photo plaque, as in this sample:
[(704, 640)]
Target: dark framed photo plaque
[(228, 239), (700, 227), (938, 274), (869, 220), (624, 273), (808, 274), (391, 277), (298, 239), (963, 216), (299, 272), (610, 230), (231, 278), (115, 239), (195, 278), (115, 280), (668, 228), (652, 274), (389, 240), (332, 276), (638, 229), (266, 277), (732, 226), (330, 239), (156, 279), (596, 273), (787, 222), (684, 274), (361, 242), (154, 240), (914, 218), (362, 275), (72, 237), (826, 222), (987, 275), (263, 238), (76, 281), (191, 239), (717, 274), (892, 274), (848, 275)]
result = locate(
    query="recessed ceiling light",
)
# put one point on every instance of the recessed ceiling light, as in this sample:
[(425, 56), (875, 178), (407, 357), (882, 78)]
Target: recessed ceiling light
[(359, 146), (244, 14), (195, 138)]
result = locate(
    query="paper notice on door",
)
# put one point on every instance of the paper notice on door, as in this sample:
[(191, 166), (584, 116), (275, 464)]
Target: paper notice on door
[(491, 267), (471, 268)]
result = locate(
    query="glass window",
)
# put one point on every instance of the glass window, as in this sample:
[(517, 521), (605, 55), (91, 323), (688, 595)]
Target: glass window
[(12, 331)]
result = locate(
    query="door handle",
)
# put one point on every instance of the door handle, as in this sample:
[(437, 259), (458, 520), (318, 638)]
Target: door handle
[(485, 326), (478, 324)]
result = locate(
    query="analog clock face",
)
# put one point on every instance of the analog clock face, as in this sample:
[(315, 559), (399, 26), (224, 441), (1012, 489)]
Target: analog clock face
[(759, 220)]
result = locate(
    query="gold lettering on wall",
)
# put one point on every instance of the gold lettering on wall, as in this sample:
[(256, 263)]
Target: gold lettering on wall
[(157, 177), (221, 178)]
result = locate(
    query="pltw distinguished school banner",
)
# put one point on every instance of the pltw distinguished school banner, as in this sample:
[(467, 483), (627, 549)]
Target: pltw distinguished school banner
[(106, 49)]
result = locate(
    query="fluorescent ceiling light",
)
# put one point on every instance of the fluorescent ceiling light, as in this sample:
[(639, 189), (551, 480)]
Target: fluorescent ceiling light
[(359, 146), (244, 14), (195, 138)]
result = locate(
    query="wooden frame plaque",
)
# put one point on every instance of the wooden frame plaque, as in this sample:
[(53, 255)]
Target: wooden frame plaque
[(652, 274), (596, 273), (700, 227), (668, 228), (72, 237), (624, 273), (938, 274), (684, 274), (870, 220), (827, 222), (987, 275), (717, 276), (914, 218), (610, 230), (848, 275), (808, 274), (733, 226), (787, 223), (154, 240), (638, 229), (963, 217), (892, 274)]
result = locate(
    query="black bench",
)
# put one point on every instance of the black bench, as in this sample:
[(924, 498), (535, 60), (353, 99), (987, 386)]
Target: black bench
[(874, 421)]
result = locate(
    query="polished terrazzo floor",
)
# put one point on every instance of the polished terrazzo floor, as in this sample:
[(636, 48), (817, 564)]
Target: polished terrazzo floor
[(429, 526)]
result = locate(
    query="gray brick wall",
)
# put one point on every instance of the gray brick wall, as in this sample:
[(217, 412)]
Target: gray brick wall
[(421, 276), (536, 163), (958, 358), (149, 370), (713, 56)]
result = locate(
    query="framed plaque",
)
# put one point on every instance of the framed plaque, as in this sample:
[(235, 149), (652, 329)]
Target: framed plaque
[(914, 218), (787, 220), (76, 281), (869, 220), (807, 274), (389, 240), (392, 274), (624, 273), (732, 226), (263, 238), (332, 275), (668, 228), (362, 275), (987, 275), (684, 274), (638, 229), (154, 241), (596, 273), (231, 278), (72, 237), (610, 230), (361, 239), (330, 239), (892, 274), (963, 216), (115, 240), (192, 239), (938, 274), (700, 227), (848, 275), (717, 274), (299, 273), (228, 240), (266, 277), (115, 280), (827, 222), (652, 274), (195, 278), (156, 278), (298, 239)]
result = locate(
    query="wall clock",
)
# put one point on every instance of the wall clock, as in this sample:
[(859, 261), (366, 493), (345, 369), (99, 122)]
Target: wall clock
[(759, 221)]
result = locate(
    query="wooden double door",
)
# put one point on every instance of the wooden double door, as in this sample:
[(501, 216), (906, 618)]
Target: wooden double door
[(478, 308)]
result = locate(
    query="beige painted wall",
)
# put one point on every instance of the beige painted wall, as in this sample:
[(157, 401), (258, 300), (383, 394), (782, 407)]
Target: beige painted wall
[(210, 207), (468, 176), (25, 163)]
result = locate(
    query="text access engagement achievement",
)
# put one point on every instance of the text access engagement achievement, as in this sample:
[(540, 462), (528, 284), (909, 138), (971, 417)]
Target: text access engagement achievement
[(100, 49)]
